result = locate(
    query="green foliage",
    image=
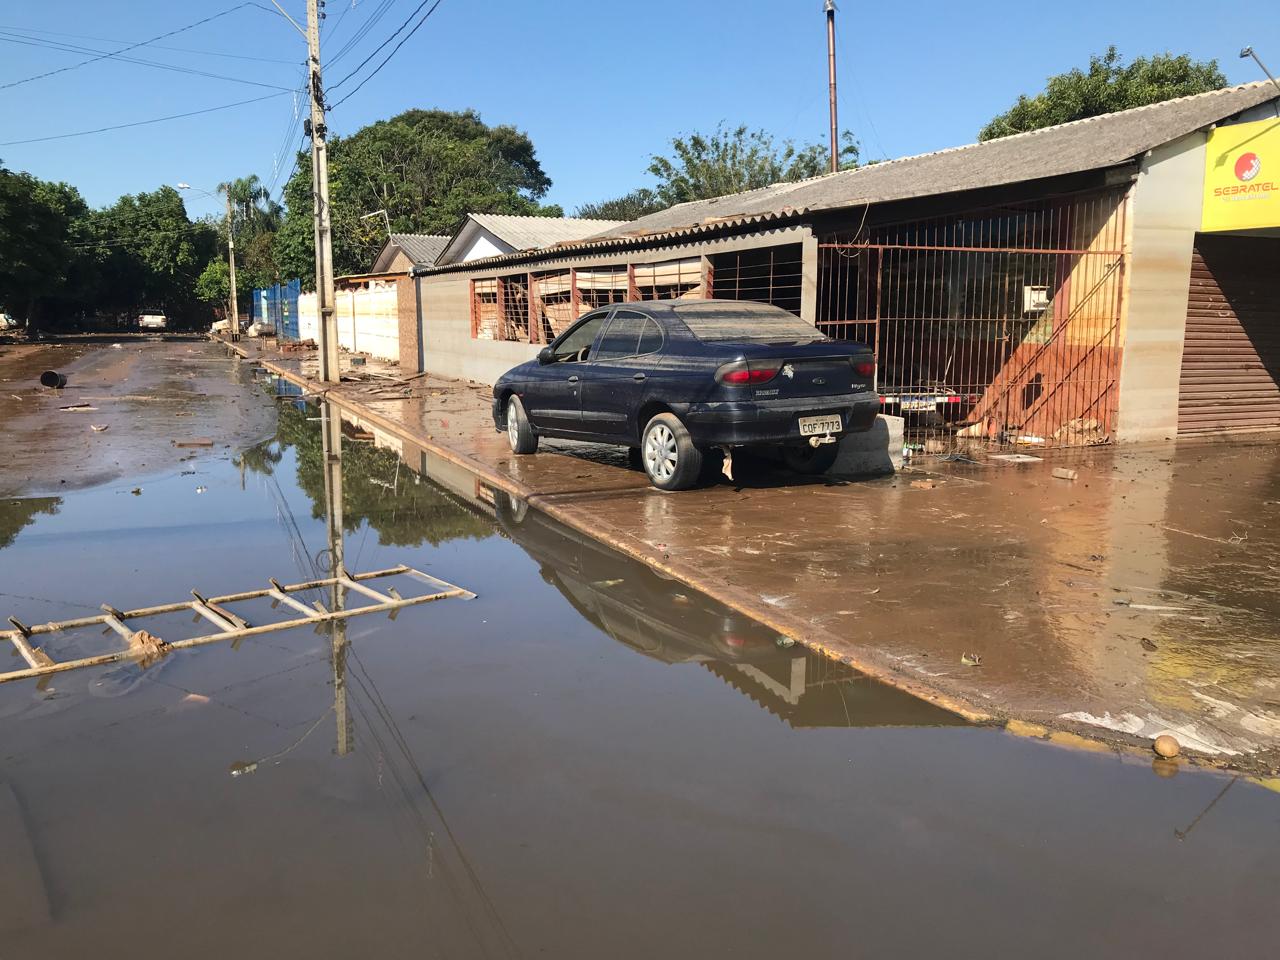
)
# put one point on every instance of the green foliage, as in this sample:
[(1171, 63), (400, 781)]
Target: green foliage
[(17, 514), (1108, 85), (62, 264), (377, 489), (631, 206), (426, 168), (703, 166)]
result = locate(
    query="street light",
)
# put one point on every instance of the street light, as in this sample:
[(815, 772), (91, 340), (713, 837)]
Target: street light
[(382, 213), (1247, 52), (233, 318)]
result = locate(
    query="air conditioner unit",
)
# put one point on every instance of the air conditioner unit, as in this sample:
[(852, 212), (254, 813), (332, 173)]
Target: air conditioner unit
[(1034, 299)]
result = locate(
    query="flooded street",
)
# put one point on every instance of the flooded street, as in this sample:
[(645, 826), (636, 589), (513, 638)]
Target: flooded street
[(585, 760)]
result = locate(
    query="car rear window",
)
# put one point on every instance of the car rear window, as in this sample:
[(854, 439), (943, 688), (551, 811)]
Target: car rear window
[(746, 322)]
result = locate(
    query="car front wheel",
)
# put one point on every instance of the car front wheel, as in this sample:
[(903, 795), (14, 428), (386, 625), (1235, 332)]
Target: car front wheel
[(519, 431), (669, 456)]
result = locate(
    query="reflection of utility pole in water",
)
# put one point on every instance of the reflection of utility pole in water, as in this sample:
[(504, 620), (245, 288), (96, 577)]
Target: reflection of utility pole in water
[(331, 444)]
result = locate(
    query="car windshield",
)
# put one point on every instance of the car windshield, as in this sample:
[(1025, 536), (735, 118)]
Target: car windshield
[(741, 321)]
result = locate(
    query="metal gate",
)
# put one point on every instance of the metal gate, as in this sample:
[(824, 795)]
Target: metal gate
[(1001, 325)]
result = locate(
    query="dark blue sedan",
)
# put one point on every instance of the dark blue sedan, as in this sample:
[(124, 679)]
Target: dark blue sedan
[(674, 379)]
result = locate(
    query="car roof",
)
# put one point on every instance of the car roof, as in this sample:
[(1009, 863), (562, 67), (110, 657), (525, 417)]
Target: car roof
[(743, 308)]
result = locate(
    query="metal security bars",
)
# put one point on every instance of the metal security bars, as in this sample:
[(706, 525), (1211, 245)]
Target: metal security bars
[(765, 275), (1001, 324)]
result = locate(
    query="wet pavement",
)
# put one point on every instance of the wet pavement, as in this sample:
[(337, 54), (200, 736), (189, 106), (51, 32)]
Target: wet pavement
[(131, 399), (1139, 599), (587, 760)]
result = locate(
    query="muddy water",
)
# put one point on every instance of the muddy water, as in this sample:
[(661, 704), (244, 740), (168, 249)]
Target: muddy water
[(584, 761)]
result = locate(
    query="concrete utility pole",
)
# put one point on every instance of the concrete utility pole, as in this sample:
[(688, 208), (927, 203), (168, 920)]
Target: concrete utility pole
[(233, 322), (831, 83), (320, 189)]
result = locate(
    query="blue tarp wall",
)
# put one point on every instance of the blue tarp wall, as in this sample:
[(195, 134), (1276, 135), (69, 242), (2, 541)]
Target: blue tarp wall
[(278, 303)]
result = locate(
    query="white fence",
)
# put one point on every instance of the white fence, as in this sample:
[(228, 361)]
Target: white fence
[(368, 320)]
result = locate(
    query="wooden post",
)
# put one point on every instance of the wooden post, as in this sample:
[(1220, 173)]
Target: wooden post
[(575, 297), (535, 325)]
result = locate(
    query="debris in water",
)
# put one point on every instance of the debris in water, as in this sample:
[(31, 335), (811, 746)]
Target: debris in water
[(971, 659), (148, 647), (79, 407), (97, 427), (1166, 746), (1148, 644), (194, 442), (1062, 473), (202, 489), (241, 767), (136, 491)]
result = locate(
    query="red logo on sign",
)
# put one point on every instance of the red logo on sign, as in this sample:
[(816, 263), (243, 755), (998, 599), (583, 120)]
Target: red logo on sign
[(1248, 167)]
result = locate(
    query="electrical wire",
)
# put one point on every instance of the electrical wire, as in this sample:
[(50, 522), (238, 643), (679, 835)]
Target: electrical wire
[(362, 31), (132, 46), (380, 47), (26, 31), (140, 123), (72, 48), (394, 50)]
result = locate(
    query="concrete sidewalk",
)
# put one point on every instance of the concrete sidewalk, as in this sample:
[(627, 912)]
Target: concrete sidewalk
[(1138, 599)]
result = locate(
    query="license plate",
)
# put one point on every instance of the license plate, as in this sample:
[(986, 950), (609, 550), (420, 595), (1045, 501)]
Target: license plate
[(919, 403), (816, 426)]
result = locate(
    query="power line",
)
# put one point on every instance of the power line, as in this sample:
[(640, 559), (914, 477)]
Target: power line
[(378, 68), (157, 46), (140, 123), (362, 31), (72, 48), (381, 46), (132, 46)]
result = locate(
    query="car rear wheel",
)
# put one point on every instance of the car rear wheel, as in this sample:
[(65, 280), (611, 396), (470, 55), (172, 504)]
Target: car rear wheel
[(519, 431), (810, 460), (670, 458)]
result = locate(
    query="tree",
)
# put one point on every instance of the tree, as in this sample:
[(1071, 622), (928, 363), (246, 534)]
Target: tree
[(1108, 85), (630, 206), (731, 161), (34, 228), (426, 168)]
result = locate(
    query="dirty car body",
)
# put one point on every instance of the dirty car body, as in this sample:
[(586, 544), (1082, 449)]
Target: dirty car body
[(732, 373)]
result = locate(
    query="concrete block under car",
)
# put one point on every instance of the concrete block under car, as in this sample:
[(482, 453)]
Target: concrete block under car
[(872, 453)]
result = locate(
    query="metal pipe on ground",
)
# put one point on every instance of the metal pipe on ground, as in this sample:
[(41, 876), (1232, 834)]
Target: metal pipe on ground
[(54, 379)]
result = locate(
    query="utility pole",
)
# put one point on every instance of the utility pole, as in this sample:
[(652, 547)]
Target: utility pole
[(328, 320), (233, 321), (831, 83)]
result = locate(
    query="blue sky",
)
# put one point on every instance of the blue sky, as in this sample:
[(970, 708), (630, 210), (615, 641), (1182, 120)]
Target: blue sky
[(599, 86)]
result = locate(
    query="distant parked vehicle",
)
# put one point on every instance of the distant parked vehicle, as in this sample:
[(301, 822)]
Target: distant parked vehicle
[(153, 321), (674, 379), (909, 392)]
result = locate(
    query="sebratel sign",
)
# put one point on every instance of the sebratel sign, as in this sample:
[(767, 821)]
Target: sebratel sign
[(1242, 177)]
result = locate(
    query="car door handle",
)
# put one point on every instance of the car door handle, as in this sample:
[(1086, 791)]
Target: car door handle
[(637, 376), (574, 378)]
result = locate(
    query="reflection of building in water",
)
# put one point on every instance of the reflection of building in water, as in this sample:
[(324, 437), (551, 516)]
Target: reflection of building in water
[(809, 690)]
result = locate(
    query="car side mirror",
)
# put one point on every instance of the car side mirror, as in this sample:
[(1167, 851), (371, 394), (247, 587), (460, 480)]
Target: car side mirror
[(546, 355)]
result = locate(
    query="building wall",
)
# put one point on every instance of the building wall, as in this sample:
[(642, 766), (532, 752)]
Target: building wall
[(367, 317), (1165, 214), (449, 348)]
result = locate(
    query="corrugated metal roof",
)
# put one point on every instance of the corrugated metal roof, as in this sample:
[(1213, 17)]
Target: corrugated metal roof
[(1090, 144), (529, 233), (421, 248)]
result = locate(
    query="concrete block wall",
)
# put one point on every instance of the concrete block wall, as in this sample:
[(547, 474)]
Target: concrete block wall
[(408, 323), (1165, 214)]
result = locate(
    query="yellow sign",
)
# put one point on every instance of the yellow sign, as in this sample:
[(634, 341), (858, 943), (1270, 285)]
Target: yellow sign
[(1242, 177)]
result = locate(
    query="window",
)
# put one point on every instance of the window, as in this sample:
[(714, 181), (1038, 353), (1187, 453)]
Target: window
[(710, 320), (650, 337), (577, 342), (623, 336)]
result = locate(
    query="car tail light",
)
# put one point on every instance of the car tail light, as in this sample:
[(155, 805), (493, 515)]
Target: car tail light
[(744, 373), (864, 368)]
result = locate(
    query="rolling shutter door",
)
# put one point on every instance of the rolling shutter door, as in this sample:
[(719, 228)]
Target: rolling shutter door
[(1231, 357)]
